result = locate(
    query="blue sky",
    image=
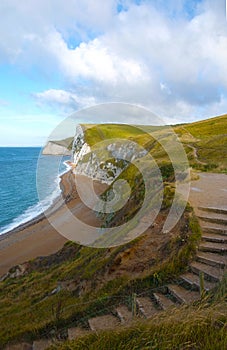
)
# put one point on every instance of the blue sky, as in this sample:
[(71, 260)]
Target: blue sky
[(57, 57)]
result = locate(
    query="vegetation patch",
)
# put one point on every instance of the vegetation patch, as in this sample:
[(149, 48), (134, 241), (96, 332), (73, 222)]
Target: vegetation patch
[(77, 283)]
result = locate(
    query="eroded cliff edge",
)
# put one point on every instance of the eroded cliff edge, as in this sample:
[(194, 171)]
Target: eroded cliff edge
[(105, 160), (54, 149)]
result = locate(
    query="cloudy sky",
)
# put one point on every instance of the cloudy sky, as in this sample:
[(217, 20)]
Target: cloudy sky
[(57, 57)]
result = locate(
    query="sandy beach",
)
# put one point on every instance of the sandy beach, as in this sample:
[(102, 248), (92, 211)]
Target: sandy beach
[(38, 237)]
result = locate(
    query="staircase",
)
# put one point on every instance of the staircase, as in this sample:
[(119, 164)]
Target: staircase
[(210, 260)]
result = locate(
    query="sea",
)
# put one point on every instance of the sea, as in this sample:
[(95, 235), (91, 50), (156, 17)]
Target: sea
[(29, 183)]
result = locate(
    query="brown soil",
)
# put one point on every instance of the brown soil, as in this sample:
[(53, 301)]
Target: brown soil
[(39, 237)]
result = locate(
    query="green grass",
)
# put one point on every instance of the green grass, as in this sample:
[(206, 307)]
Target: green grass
[(29, 310), (201, 326), (97, 133), (209, 137)]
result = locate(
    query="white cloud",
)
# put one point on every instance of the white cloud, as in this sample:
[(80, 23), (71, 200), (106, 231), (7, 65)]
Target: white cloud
[(21, 19), (64, 98), (94, 61), (176, 66)]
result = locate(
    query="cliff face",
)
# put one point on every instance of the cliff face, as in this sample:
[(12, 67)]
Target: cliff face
[(80, 147), (104, 162), (55, 149)]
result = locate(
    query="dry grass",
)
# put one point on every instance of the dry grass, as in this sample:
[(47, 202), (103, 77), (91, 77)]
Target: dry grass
[(202, 326)]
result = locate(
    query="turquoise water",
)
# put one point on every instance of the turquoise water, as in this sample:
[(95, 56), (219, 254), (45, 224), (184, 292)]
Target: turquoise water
[(19, 200)]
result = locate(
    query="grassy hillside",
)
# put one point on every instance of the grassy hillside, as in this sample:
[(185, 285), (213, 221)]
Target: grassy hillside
[(209, 140), (205, 141), (103, 278), (77, 283), (201, 326)]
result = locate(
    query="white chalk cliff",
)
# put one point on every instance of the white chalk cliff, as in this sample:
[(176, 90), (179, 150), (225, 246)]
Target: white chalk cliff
[(105, 162)]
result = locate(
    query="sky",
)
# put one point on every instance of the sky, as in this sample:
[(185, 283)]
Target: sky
[(57, 57)]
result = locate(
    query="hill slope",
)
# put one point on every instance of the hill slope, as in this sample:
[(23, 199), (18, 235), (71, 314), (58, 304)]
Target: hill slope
[(77, 283), (208, 138)]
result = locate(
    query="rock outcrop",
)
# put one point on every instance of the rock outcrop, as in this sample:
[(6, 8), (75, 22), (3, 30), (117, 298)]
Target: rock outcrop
[(105, 161), (54, 149)]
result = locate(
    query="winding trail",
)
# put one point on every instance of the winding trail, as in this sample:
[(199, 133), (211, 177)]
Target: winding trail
[(208, 196), (195, 154), (193, 148)]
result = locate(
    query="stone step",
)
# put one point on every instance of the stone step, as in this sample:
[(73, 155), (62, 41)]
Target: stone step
[(212, 259), (214, 237), (146, 307), (213, 218), (182, 295), (163, 301), (192, 280), (103, 322), (124, 314), (76, 332), (214, 210), (19, 346), (213, 247), (217, 229), (211, 273), (42, 344)]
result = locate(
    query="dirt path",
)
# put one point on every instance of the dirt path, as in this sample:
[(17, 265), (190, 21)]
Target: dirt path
[(189, 139), (209, 191), (195, 154), (41, 238)]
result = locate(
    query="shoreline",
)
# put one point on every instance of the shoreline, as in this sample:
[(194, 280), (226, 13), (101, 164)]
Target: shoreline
[(64, 192), (38, 237), (25, 234), (41, 216), (22, 226)]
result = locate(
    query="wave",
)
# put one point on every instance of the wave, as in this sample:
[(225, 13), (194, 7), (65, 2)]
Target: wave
[(39, 208), (33, 211)]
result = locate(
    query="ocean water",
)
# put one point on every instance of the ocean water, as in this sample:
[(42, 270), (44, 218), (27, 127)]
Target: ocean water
[(19, 199)]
